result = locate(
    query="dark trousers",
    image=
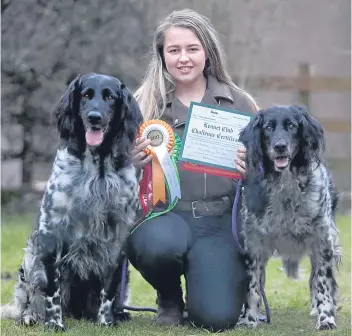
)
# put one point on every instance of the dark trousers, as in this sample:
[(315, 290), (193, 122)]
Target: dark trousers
[(204, 251)]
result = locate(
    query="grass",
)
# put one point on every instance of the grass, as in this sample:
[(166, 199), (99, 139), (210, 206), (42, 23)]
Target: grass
[(288, 299)]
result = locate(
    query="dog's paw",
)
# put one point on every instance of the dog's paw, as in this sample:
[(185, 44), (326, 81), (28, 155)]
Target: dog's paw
[(327, 323), (27, 320), (103, 323), (248, 321), (122, 316), (314, 312), (54, 325), (106, 320)]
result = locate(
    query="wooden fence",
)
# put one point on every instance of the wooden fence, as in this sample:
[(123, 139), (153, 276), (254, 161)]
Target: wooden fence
[(304, 84)]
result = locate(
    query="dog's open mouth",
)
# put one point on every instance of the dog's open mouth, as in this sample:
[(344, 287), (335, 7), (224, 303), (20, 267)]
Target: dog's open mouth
[(281, 162), (94, 136)]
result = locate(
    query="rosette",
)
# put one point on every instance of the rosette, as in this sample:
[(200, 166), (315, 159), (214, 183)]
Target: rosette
[(162, 148)]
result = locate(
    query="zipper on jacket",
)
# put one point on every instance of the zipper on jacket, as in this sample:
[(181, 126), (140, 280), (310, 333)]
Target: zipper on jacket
[(179, 124), (205, 174)]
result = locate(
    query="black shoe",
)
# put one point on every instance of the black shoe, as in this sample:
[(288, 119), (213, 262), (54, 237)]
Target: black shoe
[(170, 312)]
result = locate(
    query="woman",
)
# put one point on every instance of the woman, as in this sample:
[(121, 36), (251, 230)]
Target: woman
[(188, 65)]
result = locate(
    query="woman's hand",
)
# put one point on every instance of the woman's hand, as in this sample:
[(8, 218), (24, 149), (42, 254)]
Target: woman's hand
[(240, 160), (139, 157)]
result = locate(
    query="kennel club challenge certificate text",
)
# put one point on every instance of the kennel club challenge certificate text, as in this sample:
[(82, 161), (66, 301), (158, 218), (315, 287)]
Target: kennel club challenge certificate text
[(211, 136)]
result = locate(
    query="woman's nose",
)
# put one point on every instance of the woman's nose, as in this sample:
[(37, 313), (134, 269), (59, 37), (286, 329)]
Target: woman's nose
[(184, 56)]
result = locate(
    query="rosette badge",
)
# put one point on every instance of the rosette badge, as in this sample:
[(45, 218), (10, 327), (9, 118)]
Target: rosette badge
[(164, 170)]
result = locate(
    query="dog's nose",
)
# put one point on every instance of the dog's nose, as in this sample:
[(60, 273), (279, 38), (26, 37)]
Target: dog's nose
[(280, 147), (94, 117)]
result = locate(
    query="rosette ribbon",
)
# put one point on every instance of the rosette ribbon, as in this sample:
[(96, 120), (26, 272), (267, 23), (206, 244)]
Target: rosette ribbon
[(162, 176)]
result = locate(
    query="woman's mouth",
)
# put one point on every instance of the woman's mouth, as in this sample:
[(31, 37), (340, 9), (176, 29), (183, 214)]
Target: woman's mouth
[(185, 69)]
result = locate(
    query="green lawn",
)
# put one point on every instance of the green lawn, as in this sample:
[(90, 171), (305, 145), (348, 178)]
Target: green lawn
[(288, 299)]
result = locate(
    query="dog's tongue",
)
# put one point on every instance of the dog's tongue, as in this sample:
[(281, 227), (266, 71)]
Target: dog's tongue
[(281, 163), (94, 138)]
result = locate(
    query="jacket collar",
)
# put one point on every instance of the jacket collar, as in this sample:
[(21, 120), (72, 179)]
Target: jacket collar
[(217, 90)]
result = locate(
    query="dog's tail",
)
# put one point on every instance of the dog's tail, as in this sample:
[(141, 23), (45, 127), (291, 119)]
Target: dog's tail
[(10, 311), (291, 268)]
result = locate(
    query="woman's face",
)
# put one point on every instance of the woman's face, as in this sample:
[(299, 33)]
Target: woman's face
[(184, 55)]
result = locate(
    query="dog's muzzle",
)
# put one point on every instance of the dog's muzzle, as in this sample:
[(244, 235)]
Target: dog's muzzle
[(94, 118), (281, 155), (94, 128)]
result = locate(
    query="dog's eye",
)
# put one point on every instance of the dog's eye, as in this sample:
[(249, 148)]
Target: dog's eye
[(88, 94), (291, 126), (109, 97)]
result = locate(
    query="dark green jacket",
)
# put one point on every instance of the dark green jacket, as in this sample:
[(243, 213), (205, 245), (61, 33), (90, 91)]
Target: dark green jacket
[(198, 186)]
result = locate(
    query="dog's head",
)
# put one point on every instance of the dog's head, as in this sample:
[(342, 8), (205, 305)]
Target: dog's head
[(96, 110), (282, 136)]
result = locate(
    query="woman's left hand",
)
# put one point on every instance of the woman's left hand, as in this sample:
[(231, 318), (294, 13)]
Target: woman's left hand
[(240, 160)]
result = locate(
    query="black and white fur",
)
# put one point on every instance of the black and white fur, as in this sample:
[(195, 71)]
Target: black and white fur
[(73, 260), (289, 205)]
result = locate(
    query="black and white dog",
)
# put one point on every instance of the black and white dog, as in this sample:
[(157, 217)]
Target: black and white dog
[(73, 261), (289, 205)]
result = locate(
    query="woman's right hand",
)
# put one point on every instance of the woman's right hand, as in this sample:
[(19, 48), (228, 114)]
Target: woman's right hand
[(139, 157)]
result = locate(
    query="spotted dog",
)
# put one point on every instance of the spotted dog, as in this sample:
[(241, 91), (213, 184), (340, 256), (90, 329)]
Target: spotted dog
[(73, 260), (289, 205)]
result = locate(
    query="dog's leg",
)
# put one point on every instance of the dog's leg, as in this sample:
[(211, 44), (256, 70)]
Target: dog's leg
[(105, 314), (291, 268), (20, 309), (108, 296), (53, 308), (313, 287), (22, 301), (325, 289), (250, 311), (30, 315)]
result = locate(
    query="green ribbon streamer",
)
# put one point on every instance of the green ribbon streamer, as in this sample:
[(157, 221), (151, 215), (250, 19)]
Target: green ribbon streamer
[(174, 153)]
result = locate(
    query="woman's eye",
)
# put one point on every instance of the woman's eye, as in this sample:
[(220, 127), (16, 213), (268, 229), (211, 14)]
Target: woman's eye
[(268, 128)]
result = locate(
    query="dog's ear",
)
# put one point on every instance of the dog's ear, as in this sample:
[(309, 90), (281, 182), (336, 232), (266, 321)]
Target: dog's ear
[(250, 136), (67, 107), (133, 117), (312, 135)]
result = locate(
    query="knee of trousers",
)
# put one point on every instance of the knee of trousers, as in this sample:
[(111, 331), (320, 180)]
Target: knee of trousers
[(220, 315), (215, 320), (155, 252)]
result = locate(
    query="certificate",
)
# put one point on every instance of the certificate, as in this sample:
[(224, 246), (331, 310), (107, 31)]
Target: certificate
[(210, 139)]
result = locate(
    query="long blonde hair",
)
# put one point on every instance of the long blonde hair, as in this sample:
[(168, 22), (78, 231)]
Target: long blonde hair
[(157, 82)]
